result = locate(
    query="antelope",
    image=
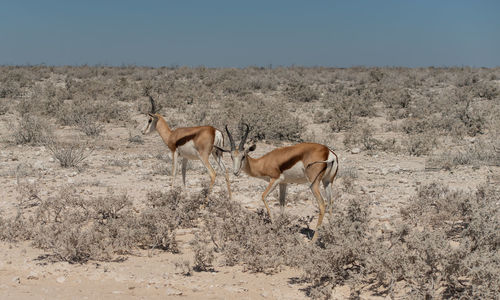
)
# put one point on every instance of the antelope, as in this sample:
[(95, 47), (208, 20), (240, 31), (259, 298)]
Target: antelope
[(301, 163), (189, 143)]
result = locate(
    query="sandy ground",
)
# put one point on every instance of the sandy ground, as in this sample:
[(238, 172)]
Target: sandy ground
[(389, 181)]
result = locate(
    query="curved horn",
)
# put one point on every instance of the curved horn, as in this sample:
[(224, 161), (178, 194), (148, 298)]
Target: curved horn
[(233, 146), (153, 106), (244, 137)]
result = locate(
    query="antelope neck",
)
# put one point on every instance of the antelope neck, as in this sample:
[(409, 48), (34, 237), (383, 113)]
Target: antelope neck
[(250, 166), (163, 129)]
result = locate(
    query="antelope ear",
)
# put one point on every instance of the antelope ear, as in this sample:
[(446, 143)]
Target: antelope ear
[(220, 149), (252, 148)]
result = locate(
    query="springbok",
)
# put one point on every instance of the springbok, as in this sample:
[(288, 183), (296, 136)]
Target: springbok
[(301, 163), (190, 143)]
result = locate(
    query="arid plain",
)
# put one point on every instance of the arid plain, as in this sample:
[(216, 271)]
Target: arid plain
[(87, 209)]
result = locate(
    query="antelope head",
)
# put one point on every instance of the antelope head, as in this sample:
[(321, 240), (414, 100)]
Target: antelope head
[(152, 118), (241, 154)]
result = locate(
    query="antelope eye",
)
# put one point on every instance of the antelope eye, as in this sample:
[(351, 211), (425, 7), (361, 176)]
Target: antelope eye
[(149, 121)]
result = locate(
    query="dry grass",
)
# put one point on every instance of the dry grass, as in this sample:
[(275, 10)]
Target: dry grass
[(69, 154), (445, 246), (33, 130)]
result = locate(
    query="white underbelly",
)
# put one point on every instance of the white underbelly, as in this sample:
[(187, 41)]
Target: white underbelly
[(188, 151), (295, 174)]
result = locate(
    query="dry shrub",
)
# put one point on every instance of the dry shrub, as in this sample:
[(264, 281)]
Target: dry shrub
[(4, 106), (88, 125), (486, 89), (398, 101), (341, 116), (480, 153), (345, 106), (246, 84), (33, 130), (183, 267), (248, 238), (420, 144), (299, 91), (266, 117), (348, 174), (269, 121), (28, 191), (362, 135), (204, 254), (136, 139), (343, 251), (448, 246), (75, 229), (70, 154), (14, 81), (79, 109)]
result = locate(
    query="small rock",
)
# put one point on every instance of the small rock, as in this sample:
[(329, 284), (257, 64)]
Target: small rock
[(387, 227), (235, 289), (173, 292), (16, 280), (51, 159), (32, 276), (454, 245), (71, 180), (38, 165), (61, 279), (395, 169), (184, 231), (355, 150)]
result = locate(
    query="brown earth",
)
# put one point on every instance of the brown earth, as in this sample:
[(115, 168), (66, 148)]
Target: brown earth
[(388, 179)]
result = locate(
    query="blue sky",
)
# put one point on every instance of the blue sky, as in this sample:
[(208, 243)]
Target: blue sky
[(242, 33)]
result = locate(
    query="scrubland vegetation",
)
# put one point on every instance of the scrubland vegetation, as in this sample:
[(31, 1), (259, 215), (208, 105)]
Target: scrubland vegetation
[(443, 243)]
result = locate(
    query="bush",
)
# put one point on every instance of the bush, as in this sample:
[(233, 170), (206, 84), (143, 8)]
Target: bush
[(86, 109), (69, 154), (343, 112), (89, 125), (204, 254), (362, 135), (477, 154), (249, 238), (75, 229), (344, 250), (33, 130), (268, 119), (472, 222), (420, 144), (300, 92)]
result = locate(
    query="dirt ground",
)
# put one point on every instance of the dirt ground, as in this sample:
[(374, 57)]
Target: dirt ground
[(389, 180)]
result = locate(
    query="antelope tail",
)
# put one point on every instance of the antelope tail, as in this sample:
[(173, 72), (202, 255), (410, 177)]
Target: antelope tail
[(328, 162)]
